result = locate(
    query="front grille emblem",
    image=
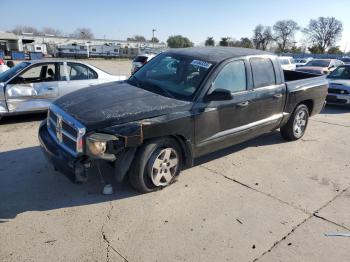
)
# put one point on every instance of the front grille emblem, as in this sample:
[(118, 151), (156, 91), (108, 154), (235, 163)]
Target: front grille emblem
[(59, 128)]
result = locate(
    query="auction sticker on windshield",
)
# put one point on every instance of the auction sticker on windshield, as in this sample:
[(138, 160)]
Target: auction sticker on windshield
[(201, 64)]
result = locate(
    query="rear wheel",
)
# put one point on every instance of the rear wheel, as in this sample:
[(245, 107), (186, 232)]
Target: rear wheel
[(296, 125), (156, 165)]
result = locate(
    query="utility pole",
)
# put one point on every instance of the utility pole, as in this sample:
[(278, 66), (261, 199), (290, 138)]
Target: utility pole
[(153, 30)]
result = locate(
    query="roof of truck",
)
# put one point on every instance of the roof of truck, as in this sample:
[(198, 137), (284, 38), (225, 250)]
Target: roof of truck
[(217, 54)]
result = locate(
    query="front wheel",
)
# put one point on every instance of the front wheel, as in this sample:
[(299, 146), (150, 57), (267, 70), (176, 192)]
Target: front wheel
[(156, 165), (296, 125)]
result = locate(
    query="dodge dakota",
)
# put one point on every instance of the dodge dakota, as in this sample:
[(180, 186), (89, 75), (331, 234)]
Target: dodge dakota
[(183, 104)]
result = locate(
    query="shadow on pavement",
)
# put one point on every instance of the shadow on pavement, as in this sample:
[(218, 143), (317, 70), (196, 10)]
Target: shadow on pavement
[(334, 109), (272, 138), (28, 182), (6, 120)]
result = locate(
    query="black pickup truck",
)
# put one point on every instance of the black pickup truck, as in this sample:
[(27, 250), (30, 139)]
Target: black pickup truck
[(182, 104)]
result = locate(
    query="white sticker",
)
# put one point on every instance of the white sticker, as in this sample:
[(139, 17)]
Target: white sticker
[(201, 64)]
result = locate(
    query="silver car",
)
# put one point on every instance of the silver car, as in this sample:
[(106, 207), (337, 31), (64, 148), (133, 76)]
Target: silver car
[(339, 86), (31, 86)]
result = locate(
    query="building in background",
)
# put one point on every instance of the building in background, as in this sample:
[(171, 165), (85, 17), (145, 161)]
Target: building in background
[(51, 45)]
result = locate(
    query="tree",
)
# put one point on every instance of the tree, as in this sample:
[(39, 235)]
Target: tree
[(179, 41), (324, 32), (244, 42), (154, 40), (210, 41), (51, 31), (295, 49), (20, 29), (334, 50), (262, 37), (83, 33), (137, 38), (284, 32), (224, 41), (315, 49)]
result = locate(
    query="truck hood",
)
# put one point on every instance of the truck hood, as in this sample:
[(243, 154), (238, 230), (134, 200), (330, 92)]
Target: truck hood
[(339, 84), (117, 103), (314, 69)]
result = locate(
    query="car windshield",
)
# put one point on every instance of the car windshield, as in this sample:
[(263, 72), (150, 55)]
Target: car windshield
[(345, 59), (319, 63), (342, 72), (284, 61), (300, 61), (172, 75), (140, 59), (7, 75)]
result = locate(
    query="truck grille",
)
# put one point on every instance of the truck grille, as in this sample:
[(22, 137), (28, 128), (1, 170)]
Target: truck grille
[(65, 130)]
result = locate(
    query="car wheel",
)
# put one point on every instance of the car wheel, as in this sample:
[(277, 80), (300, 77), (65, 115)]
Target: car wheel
[(297, 123), (156, 165)]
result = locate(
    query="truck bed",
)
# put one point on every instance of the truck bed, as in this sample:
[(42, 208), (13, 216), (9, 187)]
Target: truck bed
[(305, 87)]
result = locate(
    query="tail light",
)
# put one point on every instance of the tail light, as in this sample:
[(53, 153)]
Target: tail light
[(1, 62)]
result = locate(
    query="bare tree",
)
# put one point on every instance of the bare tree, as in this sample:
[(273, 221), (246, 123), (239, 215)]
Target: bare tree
[(83, 33), (284, 32), (262, 37), (51, 31), (324, 32), (20, 29), (137, 38)]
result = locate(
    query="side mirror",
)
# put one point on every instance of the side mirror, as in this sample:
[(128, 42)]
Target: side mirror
[(219, 95), (332, 66)]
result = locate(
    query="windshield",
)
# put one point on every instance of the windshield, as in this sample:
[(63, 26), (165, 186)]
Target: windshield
[(7, 75), (300, 61), (319, 63), (284, 61), (172, 75), (345, 59), (140, 59), (342, 72)]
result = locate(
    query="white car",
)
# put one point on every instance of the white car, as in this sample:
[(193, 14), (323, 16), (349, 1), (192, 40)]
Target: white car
[(3, 67), (287, 63), (302, 61), (31, 86), (139, 61)]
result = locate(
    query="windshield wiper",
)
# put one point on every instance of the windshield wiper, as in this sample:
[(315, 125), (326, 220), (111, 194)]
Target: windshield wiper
[(136, 81), (164, 90)]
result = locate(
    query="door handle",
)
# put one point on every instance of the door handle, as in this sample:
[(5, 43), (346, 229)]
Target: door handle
[(243, 104), (277, 96), (49, 88)]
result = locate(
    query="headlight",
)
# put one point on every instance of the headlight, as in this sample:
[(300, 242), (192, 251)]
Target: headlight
[(97, 145)]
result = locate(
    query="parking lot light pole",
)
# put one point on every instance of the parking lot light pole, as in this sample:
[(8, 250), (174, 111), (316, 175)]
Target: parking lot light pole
[(153, 30)]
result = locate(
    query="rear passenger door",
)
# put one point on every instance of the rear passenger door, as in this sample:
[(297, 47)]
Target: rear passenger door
[(75, 76), (268, 93)]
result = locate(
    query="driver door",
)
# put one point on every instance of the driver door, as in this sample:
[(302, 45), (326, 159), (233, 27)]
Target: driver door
[(34, 89), (221, 123)]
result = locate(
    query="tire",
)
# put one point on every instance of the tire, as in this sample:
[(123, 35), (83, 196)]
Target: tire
[(297, 124), (156, 164)]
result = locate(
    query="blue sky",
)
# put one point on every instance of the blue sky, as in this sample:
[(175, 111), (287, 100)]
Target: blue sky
[(195, 19)]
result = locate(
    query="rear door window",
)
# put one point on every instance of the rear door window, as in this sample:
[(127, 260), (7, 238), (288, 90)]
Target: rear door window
[(263, 72), (80, 72)]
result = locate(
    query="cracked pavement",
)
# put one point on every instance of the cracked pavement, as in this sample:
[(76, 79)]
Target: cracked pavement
[(263, 200)]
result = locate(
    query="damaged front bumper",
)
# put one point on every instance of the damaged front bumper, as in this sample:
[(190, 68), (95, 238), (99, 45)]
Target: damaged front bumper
[(74, 168)]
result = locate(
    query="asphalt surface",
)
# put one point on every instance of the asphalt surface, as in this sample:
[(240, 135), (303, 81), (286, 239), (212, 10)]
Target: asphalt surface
[(263, 200)]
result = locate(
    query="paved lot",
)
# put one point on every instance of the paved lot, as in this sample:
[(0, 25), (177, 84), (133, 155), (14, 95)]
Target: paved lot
[(264, 200)]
